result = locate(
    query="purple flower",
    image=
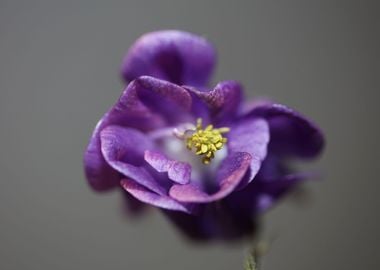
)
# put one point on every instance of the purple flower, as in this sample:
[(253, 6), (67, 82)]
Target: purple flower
[(209, 160)]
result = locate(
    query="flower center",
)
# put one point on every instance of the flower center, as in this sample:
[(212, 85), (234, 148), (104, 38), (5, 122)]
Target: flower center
[(206, 141)]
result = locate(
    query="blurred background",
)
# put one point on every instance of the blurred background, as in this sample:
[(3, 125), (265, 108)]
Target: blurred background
[(59, 72)]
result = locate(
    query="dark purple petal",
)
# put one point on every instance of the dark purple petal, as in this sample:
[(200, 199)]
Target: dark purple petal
[(199, 108), (145, 104), (273, 167), (175, 56), (214, 221), (278, 187), (160, 200), (291, 133), (164, 98), (273, 181), (250, 136), (195, 227), (260, 195), (179, 172), (223, 101), (231, 171), (123, 149)]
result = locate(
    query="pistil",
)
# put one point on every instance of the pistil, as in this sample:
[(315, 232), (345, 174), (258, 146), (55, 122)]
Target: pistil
[(206, 141)]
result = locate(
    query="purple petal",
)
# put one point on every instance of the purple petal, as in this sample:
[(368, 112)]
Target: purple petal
[(99, 174), (250, 136), (223, 101), (164, 98), (271, 184), (273, 191), (214, 221), (179, 172), (141, 193), (175, 56), (291, 133), (161, 99), (123, 149), (231, 171), (148, 103)]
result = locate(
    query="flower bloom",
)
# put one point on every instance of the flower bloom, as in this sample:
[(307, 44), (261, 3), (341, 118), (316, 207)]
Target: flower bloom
[(211, 161)]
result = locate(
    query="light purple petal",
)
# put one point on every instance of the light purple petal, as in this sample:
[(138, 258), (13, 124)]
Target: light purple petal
[(175, 56), (179, 172), (160, 200), (291, 133), (145, 104), (250, 136), (223, 101), (229, 175), (123, 149)]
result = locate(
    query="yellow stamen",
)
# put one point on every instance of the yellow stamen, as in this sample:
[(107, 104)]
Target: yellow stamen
[(206, 141)]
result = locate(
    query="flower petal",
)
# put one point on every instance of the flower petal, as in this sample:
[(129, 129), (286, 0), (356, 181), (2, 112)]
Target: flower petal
[(175, 56), (163, 98), (231, 172), (123, 149), (179, 172), (160, 200), (146, 103), (223, 101), (250, 136), (213, 221), (291, 133), (262, 194), (99, 174)]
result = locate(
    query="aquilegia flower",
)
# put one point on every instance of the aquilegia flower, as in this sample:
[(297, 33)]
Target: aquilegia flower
[(210, 160)]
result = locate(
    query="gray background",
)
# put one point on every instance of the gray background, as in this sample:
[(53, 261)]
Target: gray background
[(59, 65)]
